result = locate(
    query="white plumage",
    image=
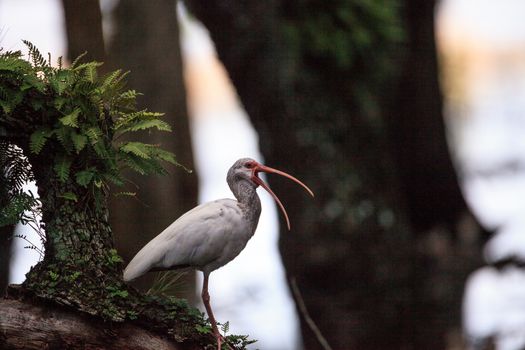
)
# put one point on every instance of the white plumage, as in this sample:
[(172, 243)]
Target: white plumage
[(212, 234), (207, 237)]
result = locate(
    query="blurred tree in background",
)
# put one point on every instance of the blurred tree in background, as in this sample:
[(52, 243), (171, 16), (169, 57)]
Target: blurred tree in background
[(345, 95), (146, 42), (83, 26)]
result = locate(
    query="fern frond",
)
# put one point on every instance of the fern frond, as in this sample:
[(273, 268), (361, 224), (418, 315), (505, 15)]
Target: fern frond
[(75, 62), (93, 133), (140, 165), (69, 196), (164, 155), (71, 119), (84, 177), (61, 81), (137, 148), (79, 141), (115, 179), (127, 99), (89, 70), (13, 64), (146, 124), (64, 137), (125, 193), (62, 167), (38, 139), (109, 78), (111, 81), (35, 55)]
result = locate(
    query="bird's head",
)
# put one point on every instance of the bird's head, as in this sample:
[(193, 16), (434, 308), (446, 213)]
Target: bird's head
[(248, 169)]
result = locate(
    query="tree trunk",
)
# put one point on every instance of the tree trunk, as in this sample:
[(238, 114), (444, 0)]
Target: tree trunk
[(147, 43), (84, 29), (81, 267), (447, 236), (417, 129)]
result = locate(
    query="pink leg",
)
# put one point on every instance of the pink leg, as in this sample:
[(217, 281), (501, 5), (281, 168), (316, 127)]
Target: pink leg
[(206, 300)]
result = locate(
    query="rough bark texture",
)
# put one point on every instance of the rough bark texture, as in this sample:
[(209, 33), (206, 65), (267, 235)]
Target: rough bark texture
[(147, 43), (27, 326)]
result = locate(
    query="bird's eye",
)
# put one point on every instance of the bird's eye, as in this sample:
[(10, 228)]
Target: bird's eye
[(250, 165)]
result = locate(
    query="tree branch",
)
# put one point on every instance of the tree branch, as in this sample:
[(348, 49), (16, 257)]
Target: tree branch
[(26, 326)]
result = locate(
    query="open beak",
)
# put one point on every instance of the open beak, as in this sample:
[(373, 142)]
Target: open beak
[(261, 168)]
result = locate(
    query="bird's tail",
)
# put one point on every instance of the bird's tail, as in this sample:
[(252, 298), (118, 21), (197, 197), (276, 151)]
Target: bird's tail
[(136, 267)]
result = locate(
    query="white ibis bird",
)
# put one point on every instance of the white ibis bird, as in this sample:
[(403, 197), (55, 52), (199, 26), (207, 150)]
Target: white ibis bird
[(212, 234)]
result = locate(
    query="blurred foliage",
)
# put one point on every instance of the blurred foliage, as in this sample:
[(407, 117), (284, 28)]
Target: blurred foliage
[(343, 33), (340, 60), (73, 120)]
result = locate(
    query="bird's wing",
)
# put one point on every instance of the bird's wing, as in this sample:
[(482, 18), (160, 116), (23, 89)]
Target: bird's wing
[(195, 239)]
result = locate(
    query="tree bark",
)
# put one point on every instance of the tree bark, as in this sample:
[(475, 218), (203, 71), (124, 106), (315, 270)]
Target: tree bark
[(417, 129), (84, 29), (27, 326), (448, 238)]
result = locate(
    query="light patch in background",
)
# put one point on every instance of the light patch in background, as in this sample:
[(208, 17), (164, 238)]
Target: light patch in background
[(41, 22), (482, 46), (484, 43), (251, 291), (22, 258)]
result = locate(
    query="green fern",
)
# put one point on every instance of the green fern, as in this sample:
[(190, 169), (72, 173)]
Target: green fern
[(93, 134), (137, 148), (90, 71), (69, 196), (147, 124), (62, 167), (76, 61), (72, 117), (84, 177), (79, 141), (34, 54), (38, 139)]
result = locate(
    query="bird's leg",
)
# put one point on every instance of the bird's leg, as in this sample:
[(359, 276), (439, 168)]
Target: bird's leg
[(206, 300)]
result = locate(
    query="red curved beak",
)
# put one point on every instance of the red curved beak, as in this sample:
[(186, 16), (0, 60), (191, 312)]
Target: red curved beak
[(261, 168)]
